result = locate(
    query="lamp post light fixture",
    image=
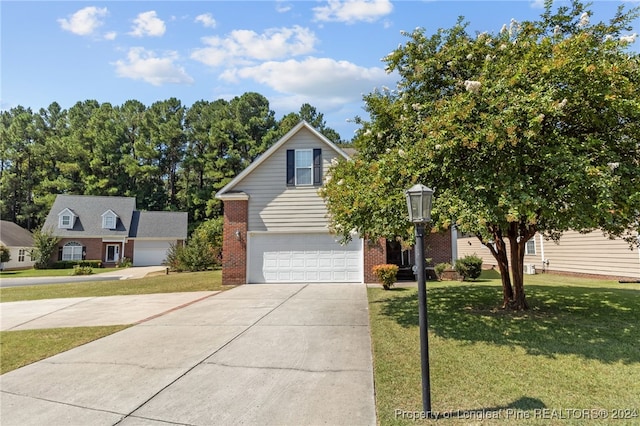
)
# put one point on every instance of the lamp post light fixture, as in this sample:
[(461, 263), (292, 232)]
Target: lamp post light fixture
[(419, 207)]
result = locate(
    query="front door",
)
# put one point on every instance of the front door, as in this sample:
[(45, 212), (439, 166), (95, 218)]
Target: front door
[(113, 253)]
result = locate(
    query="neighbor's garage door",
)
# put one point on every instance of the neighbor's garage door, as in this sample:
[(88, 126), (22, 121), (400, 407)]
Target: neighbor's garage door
[(150, 253), (280, 258)]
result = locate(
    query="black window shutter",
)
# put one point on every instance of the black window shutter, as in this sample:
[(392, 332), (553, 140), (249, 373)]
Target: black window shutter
[(291, 167), (59, 253), (317, 166)]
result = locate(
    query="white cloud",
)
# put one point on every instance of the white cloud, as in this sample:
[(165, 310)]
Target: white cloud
[(351, 11), (144, 65), (537, 4), (111, 35), (282, 7), (206, 20), (246, 46), (148, 24), (85, 21), (323, 80)]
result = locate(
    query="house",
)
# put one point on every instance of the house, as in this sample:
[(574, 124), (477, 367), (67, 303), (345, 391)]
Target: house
[(275, 223), (19, 241), (590, 254), (110, 228)]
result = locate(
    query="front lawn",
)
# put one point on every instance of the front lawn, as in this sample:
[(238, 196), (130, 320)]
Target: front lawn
[(172, 283), (23, 347), (576, 349), (29, 273)]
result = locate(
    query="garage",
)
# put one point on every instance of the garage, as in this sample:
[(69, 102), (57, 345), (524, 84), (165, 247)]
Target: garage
[(150, 253), (282, 258)]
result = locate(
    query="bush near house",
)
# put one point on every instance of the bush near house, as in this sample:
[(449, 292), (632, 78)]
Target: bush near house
[(386, 274), (68, 264), (469, 267)]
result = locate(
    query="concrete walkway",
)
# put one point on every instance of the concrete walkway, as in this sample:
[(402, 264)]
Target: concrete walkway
[(290, 354)]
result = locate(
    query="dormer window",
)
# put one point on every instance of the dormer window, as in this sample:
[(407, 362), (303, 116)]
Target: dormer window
[(66, 219), (109, 219)]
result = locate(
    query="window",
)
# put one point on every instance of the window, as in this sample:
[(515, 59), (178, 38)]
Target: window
[(65, 219), (72, 251), (21, 254), (109, 222), (530, 247), (304, 163), (304, 167)]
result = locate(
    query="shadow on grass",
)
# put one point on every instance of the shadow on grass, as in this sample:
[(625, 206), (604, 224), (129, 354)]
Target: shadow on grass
[(601, 324), (504, 411)]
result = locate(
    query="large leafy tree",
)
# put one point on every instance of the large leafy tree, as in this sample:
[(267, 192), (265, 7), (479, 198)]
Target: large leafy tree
[(535, 128)]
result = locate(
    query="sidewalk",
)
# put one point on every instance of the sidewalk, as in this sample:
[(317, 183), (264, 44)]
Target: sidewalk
[(290, 354)]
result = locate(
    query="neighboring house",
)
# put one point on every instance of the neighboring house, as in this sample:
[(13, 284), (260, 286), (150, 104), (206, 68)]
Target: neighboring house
[(575, 253), (275, 223), (19, 241), (110, 228)]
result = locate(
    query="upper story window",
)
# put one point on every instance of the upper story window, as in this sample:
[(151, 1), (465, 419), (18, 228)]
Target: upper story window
[(109, 219), (65, 219), (304, 167)]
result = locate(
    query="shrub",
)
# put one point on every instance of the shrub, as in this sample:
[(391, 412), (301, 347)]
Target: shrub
[(386, 274), (44, 243), (202, 250), (5, 254), (82, 270), (68, 264), (440, 268), (469, 267), (125, 262)]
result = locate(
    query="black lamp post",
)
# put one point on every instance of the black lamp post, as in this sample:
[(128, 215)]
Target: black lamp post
[(419, 206)]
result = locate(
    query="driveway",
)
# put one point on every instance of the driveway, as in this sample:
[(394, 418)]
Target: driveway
[(291, 354)]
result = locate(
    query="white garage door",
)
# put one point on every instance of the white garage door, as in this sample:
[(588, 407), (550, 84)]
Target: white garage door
[(280, 258), (150, 253)]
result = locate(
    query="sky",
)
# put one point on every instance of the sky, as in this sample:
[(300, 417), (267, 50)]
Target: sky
[(328, 53)]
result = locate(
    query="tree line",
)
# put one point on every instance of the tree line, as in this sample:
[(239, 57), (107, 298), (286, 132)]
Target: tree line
[(168, 156)]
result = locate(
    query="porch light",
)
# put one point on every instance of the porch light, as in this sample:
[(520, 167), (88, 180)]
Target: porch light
[(419, 203)]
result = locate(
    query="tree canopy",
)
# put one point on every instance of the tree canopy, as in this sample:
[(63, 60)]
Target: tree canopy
[(166, 155), (533, 128)]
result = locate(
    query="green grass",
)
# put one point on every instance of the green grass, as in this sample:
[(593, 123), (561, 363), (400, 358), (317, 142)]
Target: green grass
[(174, 282), (576, 348), (20, 348), (28, 273)]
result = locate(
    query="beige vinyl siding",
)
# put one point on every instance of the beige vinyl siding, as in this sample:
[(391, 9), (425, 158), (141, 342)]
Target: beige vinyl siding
[(590, 253), (275, 207)]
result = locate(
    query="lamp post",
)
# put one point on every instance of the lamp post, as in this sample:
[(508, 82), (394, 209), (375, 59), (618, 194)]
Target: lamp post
[(419, 207)]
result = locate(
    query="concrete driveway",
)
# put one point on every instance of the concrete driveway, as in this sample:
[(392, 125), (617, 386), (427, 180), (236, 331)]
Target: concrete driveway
[(291, 354)]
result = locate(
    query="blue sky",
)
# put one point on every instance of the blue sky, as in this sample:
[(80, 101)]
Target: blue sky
[(325, 53)]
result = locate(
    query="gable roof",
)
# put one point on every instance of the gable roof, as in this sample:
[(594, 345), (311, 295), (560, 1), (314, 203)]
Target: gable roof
[(88, 210), (227, 190), (159, 225), (13, 235)]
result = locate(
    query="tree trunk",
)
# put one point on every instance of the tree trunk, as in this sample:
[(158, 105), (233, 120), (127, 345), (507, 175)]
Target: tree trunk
[(519, 234), (499, 252)]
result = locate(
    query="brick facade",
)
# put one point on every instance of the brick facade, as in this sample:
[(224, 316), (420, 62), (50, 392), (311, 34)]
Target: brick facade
[(234, 242), (375, 253), (438, 247), (93, 249)]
